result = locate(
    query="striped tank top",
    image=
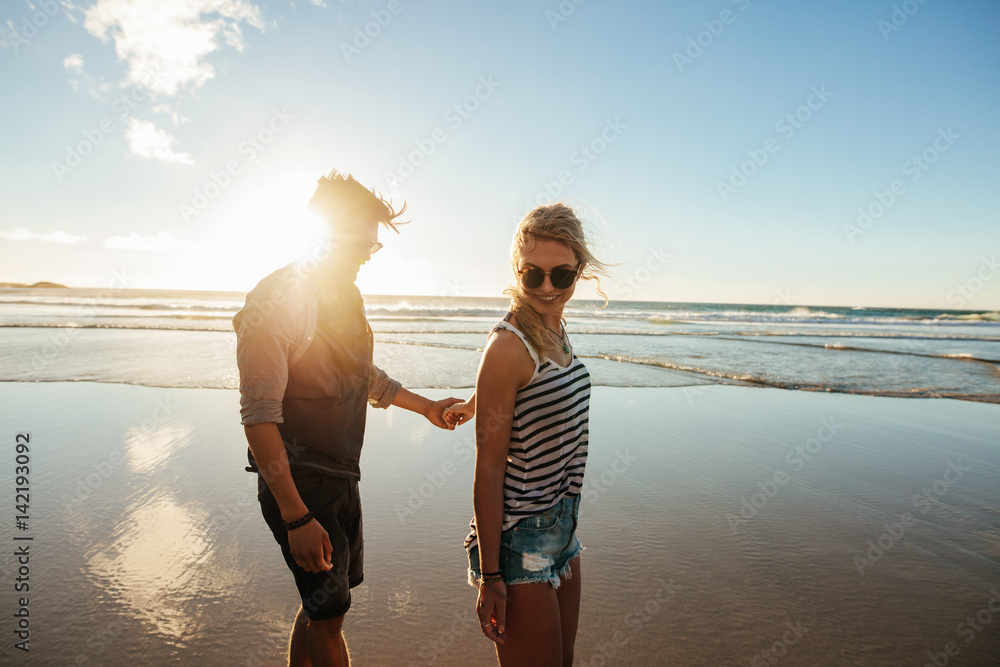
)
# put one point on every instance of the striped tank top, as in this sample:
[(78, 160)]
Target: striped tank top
[(548, 438)]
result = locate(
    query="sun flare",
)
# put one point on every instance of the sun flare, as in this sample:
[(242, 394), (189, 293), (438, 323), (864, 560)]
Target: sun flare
[(266, 226)]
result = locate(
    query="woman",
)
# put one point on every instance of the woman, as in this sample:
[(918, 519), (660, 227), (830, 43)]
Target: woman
[(532, 396)]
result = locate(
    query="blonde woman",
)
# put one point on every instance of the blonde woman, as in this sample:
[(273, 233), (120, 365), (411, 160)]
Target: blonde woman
[(532, 397)]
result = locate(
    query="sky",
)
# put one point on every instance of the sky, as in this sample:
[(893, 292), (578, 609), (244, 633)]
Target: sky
[(731, 151)]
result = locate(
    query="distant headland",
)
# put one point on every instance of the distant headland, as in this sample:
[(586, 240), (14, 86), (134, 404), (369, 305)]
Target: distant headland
[(41, 284)]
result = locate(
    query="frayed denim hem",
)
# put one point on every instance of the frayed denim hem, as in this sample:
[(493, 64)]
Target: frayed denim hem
[(565, 573)]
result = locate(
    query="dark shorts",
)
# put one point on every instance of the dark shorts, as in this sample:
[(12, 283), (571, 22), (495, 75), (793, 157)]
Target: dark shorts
[(336, 504)]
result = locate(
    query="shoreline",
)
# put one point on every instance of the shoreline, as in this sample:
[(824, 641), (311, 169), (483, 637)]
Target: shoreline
[(694, 386)]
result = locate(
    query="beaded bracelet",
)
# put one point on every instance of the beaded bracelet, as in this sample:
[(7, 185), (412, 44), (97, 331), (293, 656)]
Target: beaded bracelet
[(292, 525)]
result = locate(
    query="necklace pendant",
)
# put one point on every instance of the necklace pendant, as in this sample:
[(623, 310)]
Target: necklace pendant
[(566, 348)]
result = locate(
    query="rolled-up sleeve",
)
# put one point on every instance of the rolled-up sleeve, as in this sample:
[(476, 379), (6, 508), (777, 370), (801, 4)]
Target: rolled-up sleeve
[(381, 388), (266, 330)]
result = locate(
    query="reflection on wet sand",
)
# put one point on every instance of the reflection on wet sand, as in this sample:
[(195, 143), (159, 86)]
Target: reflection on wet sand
[(149, 446), (152, 563)]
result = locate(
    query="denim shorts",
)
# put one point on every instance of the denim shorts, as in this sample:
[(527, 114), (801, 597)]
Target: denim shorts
[(336, 505), (538, 548)]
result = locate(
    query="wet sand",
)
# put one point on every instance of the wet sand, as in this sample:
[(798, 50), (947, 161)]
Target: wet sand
[(722, 525)]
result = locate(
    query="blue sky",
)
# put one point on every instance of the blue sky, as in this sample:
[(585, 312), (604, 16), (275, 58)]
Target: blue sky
[(726, 151)]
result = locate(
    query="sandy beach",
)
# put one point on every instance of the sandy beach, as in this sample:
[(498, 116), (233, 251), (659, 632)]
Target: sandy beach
[(722, 525)]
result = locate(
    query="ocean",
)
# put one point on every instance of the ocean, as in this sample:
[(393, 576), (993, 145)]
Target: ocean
[(184, 339)]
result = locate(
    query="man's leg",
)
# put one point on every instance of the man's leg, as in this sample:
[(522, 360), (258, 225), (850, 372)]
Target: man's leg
[(327, 647), (335, 503), (298, 647)]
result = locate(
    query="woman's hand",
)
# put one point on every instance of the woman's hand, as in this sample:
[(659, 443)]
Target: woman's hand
[(435, 412), (458, 414), (491, 607)]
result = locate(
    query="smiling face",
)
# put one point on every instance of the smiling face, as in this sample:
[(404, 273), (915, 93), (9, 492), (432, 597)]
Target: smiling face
[(547, 254)]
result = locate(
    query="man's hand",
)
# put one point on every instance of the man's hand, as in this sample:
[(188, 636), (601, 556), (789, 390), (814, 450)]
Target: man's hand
[(310, 547), (459, 413), (435, 412)]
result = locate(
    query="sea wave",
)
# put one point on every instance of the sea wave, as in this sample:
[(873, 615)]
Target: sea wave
[(777, 383)]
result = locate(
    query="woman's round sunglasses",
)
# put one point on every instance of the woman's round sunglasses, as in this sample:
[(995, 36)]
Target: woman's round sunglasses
[(532, 277)]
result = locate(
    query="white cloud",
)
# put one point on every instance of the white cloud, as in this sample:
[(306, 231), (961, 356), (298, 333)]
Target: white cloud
[(147, 140), (162, 242), (11, 30), (165, 43), (73, 62), (174, 115), (21, 234), (96, 87)]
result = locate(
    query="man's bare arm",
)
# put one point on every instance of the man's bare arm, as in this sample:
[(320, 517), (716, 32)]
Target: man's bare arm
[(309, 544)]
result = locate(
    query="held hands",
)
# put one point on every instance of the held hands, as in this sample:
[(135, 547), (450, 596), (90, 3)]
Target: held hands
[(435, 412), (310, 547), (491, 607), (459, 413)]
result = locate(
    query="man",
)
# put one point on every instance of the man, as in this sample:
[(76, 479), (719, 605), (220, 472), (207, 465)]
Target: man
[(304, 350)]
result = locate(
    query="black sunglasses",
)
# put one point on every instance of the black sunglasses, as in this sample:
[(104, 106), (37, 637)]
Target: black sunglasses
[(533, 277)]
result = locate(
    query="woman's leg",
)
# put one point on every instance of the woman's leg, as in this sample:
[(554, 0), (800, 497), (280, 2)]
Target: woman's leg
[(534, 628), (568, 595)]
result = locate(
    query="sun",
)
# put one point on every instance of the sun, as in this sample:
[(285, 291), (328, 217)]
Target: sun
[(260, 228)]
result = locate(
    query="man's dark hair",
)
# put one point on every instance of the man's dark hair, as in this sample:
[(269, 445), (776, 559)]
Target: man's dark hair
[(339, 197)]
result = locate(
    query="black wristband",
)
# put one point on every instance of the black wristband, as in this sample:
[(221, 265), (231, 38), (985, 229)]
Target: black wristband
[(490, 574), (292, 525)]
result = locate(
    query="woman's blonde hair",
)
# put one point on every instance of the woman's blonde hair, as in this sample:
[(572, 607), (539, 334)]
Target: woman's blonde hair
[(555, 222)]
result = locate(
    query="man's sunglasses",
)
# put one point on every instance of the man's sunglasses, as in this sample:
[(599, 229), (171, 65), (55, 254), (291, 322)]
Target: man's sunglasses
[(362, 242), (533, 277)]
